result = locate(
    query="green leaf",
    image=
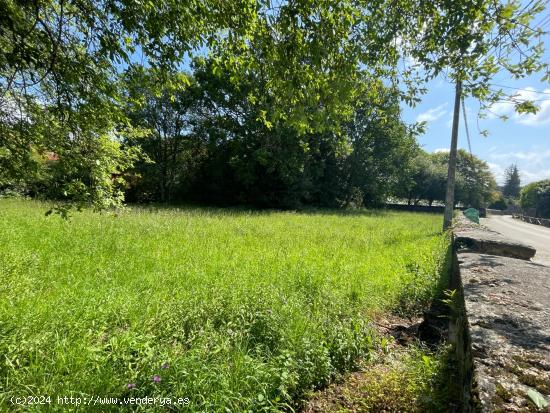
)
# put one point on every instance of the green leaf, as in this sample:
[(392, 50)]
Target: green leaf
[(427, 361), (527, 107), (537, 398)]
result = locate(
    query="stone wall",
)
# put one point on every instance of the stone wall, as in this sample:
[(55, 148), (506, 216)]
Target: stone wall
[(501, 323), (533, 220), (438, 209)]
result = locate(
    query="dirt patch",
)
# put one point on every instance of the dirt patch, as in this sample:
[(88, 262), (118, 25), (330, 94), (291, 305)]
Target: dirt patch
[(372, 389), (402, 375), (403, 330)]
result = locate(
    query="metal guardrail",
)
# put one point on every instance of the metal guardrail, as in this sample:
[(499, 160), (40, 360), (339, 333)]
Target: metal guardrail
[(533, 220)]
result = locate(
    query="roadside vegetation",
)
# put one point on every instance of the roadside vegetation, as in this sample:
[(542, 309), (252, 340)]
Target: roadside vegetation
[(396, 379), (236, 310), (425, 180), (535, 199), (532, 199)]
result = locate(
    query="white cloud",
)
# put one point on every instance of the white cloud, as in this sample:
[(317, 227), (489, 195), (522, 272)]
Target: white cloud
[(532, 165), (497, 170), (528, 177), (501, 109), (433, 114), (441, 150), (542, 117), (535, 157)]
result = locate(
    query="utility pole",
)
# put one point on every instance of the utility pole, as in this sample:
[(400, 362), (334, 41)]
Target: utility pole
[(450, 196)]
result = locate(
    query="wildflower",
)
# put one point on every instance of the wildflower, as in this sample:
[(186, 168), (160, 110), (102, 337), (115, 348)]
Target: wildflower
[(165, 366), (131, 385), (156, 378)]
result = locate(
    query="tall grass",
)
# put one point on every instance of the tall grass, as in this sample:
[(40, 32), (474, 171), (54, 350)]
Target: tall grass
[(235, 310)]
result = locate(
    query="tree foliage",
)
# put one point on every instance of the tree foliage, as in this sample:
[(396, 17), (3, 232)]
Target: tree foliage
[(426, 180), (499, 202), (512, 183), (59, 66), (210, 143), (300, 67), (163, 105), (535, 198)]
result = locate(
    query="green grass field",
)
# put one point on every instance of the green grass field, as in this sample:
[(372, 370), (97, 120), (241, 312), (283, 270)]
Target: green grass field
[(234, 310)]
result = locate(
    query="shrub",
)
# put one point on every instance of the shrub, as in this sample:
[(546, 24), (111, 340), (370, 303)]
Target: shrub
[(536, 195)]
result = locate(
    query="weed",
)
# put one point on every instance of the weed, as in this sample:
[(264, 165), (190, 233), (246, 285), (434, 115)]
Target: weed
[(236, 310)]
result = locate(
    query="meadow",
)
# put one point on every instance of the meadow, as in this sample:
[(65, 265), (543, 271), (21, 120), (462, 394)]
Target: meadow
[(235, 310)]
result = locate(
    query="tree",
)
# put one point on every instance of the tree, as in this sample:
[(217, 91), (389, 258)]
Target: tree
[(162, 104), (512, 183), (59, 66), (475, 184), (543, 207), (499, 202), (536, 197), (62, 59), (422, 179), (461, 40), (380, 145), (245, 161), (82, 166), (208, 142)]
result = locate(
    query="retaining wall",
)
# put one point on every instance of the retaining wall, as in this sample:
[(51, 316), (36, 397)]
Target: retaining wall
[(419, 208), (501, 324)]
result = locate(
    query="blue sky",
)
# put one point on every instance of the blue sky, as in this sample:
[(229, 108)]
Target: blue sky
[(523, 140)]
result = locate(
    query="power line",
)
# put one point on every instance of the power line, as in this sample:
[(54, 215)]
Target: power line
[(518, 88), (543, 18), (527, 6), (543, 22), (516, 98), (491, 52)]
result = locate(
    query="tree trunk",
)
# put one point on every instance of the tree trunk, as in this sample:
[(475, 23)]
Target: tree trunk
[(450, 195)]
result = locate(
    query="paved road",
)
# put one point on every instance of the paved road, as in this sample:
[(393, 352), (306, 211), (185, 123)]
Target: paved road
[(534, 235)]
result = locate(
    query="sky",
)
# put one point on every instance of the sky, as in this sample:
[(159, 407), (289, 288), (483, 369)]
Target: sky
[(523, 140)]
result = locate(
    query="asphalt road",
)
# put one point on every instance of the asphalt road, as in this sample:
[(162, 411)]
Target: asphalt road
[(534, 235)]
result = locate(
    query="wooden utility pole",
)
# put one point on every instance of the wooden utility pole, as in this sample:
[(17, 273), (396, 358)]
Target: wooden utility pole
[(450, 196)]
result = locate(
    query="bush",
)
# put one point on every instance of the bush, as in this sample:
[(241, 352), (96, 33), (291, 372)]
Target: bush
[(499, 203), (536, 195)]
